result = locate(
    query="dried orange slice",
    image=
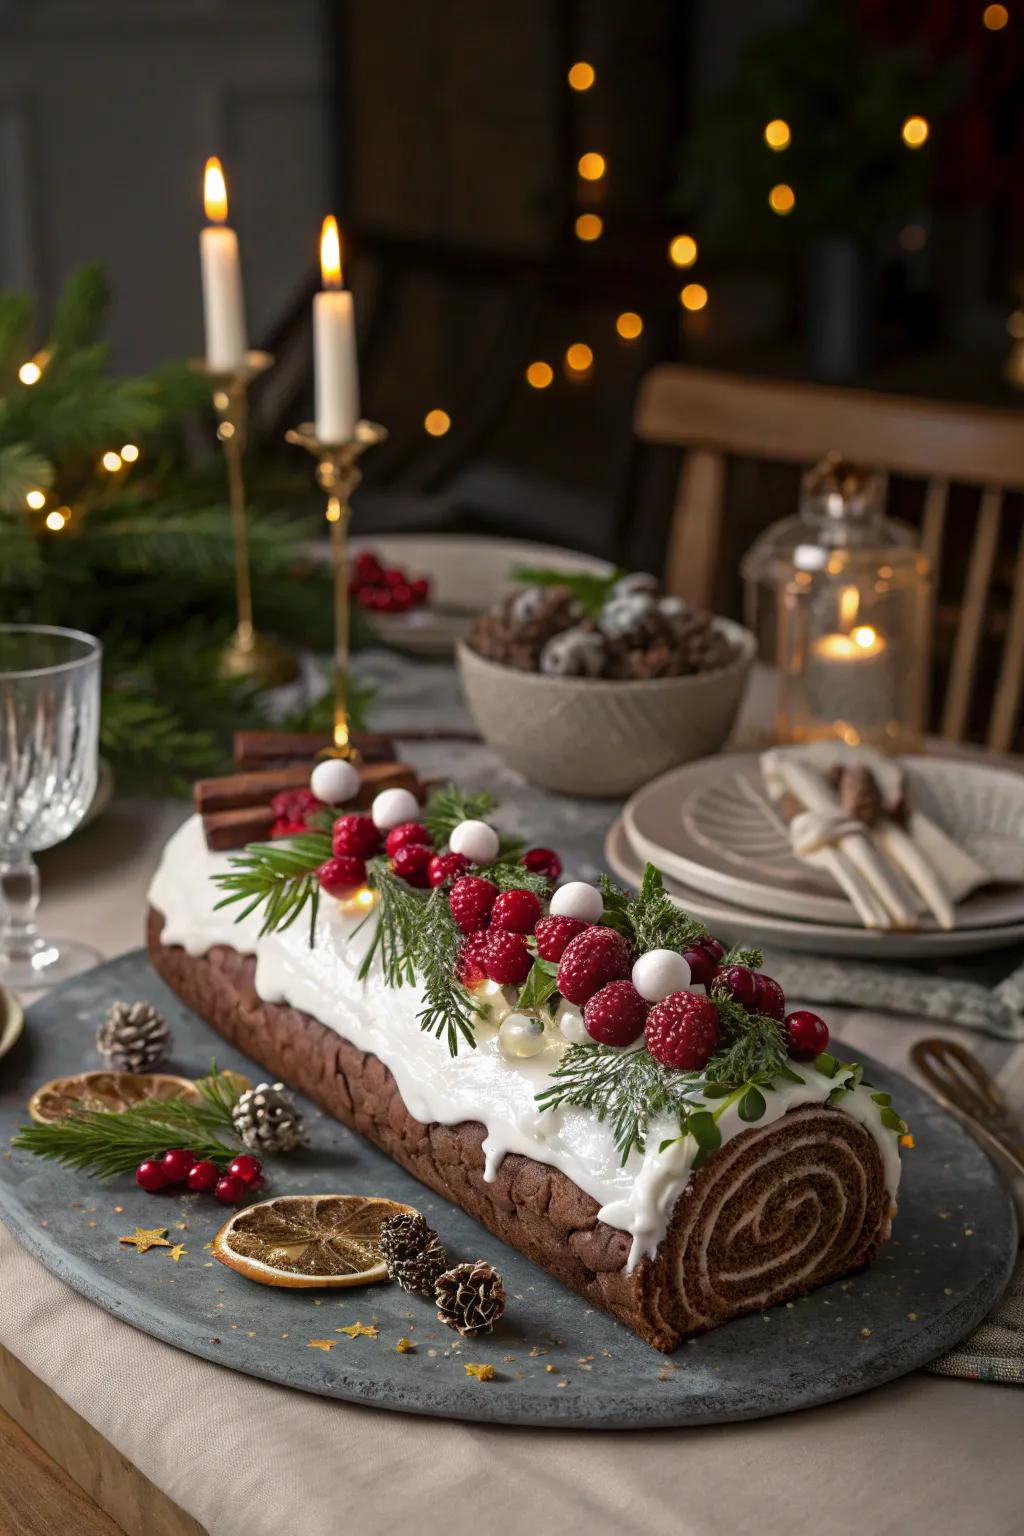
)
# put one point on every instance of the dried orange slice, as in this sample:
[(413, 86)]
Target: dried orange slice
[(112, 1092), (303, 1241)]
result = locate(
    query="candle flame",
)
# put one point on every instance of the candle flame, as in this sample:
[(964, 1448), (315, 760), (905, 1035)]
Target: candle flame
[(866, 636), (215, 192), (330, 252), (849, 606)]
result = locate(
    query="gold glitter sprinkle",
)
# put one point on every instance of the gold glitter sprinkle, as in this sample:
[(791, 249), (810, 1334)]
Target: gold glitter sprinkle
[(912, 1316), (404, 1347), (550, 1368), (865, 1333), (481, 1372), (177, 1251), (325, 1344), (118, 1210), (146, 1238)]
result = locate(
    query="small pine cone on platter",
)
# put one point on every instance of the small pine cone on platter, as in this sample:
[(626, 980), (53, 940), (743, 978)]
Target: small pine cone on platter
[(134, 1037), (412, 1252), (267, 1120), (470, 1298)]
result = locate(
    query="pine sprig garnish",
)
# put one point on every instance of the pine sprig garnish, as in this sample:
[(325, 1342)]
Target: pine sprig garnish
[(627, 1088), (509, 875), (649, 920), (447, 807), (280, 877), (449, 1008), (106, 1143), (396, 936)]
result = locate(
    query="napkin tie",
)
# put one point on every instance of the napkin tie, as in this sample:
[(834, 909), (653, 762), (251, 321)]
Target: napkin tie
[(810, 831)]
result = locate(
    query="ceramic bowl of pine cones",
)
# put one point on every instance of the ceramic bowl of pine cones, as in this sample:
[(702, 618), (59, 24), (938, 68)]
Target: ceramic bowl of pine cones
[(605, 736)]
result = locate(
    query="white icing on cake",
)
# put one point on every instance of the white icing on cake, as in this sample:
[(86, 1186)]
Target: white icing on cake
[(479, 1084)]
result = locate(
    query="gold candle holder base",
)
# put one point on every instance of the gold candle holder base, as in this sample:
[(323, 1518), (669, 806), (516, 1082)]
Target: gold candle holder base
[(338, 474), (247, 653)]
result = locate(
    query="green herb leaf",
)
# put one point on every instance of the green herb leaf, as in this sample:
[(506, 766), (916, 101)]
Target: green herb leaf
[(827, 1065), (590, 590), (883, 1099), (537, 988), (891, 1119), (447, 807), (752, 1105)]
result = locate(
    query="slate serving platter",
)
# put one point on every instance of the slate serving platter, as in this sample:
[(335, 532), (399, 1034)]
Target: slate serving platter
[(557, 1362)]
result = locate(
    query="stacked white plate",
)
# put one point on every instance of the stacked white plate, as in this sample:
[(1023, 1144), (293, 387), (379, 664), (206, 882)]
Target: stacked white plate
[(726, 858)]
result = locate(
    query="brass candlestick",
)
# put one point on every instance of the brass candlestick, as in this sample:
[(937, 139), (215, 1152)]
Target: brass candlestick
[(247, 653), (338, 474)]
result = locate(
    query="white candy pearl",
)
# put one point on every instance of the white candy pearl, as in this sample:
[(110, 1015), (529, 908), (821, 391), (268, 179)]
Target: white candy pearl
[(334, 781), (578, 899), (569, 1019), (520, 1035), (394, 806), (659, 973), (476, 841)]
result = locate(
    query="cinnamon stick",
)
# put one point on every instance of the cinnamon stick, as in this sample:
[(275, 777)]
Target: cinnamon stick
[(237, 789), (267, 749), (229, 823), (233, 829)]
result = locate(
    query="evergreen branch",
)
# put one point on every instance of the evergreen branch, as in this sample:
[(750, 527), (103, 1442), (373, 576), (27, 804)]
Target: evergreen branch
[(81, 310), (449, 1008), (279, 877), (447, 807), (509, 875), (627, 1088), (396, 935), (22, 469), (108, 1142), (649, 920), (15, 324)]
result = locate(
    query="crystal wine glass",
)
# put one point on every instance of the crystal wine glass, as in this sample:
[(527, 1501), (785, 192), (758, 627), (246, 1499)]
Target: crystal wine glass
[(49, 732)]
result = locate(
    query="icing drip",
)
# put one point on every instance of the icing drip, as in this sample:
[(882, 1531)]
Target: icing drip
[(481, 1085)]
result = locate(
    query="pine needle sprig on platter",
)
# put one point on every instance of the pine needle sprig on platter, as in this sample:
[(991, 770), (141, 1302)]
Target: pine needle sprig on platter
[(106, 1143), (279, 877), (447, 807)]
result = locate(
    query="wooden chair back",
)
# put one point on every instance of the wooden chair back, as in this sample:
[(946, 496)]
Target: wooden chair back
[(715, 415)]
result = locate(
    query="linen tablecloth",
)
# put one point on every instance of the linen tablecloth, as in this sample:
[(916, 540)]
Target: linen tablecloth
[(248, 1459)]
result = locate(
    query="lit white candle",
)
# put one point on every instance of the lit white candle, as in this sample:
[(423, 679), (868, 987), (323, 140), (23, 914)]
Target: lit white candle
[(223, 304), (334, 346)]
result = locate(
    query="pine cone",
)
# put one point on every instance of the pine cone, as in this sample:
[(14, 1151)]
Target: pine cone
[(470, 1298), (860, 795), (267, 1120), (412, 1253), (134, 1038)]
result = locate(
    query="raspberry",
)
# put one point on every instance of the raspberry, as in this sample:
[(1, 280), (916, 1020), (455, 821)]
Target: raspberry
[(342, 874), (469, 966), (516, 911), (506, 957), (295, 805), (769, 997), (682, 1031), (471, 900), (542, 861), (410, 864), (616, 1015), (740, 983), (806, 1035), (407, 832), (589, 961), (554, 933), (287, 828), (355, 834), (446, 866)]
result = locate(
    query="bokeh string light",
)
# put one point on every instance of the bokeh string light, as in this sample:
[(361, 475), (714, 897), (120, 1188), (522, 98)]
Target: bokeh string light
[(915, 131), (436, 423), (589, 227), (777, 134), (582, 75), (782, 198), (629, 325), (682, 251), (579, 358), (994, 18), (592, 166), (30, 373), (539, 375), (694, 297), (36, 500)]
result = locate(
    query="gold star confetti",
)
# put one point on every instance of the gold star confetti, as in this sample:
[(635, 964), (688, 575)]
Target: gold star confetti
[(177, 1251), (359, 1331), (906, 1140), (182, 1226), (550, 1369), (325, 1344), (405, 1347), (481, 1372), (148, 1237)]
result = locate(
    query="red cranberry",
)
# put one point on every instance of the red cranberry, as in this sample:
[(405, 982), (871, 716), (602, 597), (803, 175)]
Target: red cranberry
[(806, 1035), (368, 567), (702, 967), (740, 983), (420, 589), (770, 997), (176, 1165), (711, 947), (341, 875), (247, 1168), (446, 866), (542, 861), (202, 1176), (150, 1176), (356, 835), (401, 598), (407, 832), (229, 1190), (410, 864), (393, 577)]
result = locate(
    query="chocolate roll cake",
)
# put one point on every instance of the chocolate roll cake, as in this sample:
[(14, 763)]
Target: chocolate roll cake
[(727, 1198)]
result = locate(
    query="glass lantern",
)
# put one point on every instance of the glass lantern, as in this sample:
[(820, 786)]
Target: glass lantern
[(838, 599)]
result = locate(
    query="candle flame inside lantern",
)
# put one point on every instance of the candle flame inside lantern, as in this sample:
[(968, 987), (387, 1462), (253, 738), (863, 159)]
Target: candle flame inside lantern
[(215, 192), (849, 607), (330, 252)]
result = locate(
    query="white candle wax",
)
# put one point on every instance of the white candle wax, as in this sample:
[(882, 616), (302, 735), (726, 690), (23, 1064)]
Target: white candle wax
[(334, 360), (223, 305)]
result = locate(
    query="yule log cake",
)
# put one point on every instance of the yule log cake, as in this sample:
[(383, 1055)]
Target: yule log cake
[(585, 1072)]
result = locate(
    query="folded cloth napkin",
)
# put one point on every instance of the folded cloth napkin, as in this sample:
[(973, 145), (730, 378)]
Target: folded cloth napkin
[(995, 1350)]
